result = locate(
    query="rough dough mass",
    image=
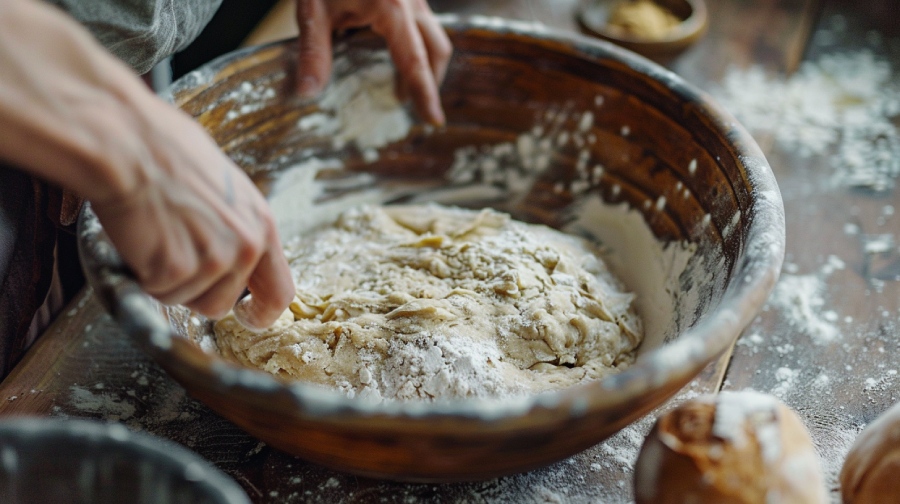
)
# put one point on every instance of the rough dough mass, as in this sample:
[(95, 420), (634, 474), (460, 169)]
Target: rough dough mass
[(423, 302)]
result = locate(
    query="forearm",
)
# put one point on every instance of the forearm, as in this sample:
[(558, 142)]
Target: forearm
[(70, 113), (190, 224)]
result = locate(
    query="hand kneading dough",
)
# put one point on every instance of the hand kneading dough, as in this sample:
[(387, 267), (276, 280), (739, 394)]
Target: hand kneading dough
[(731, 448), (423, 302)]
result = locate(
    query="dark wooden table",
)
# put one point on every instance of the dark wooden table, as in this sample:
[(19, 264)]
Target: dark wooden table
[(85, 367)]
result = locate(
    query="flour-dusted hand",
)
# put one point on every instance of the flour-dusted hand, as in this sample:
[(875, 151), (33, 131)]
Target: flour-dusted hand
[(418, 44), (190, 223), (194, 228)]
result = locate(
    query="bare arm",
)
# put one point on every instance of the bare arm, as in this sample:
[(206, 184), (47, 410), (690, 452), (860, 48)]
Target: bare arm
[(187, 220)]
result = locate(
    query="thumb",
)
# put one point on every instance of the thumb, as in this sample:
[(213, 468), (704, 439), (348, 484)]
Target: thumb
[(271, 292), (314, 51)]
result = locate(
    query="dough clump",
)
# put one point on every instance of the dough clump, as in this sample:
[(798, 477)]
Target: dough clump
[(425, 302)]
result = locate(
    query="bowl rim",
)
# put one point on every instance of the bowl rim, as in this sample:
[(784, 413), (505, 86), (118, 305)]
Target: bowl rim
[(194, 468), (676, 361)]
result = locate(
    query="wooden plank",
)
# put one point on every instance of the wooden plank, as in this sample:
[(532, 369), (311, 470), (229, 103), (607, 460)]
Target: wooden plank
[(840, 385), (85, 367), (280, 23), (772, 33)]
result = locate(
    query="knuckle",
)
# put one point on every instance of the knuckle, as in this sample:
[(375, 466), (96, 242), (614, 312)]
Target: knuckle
[(215, 263), (166, 268), (249, 251), (174, 273), (443, 47), (308, 50), (392, 4), (212, 306), (414, 63), (265, 222), (286, 296)]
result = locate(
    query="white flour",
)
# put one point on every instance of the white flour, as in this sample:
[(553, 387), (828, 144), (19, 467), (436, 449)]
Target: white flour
[(735, 410), (787, 379), (515, 164), (843, 105), (108, 405), (801, 300), (248, 98), (361, 108), (646, 266)]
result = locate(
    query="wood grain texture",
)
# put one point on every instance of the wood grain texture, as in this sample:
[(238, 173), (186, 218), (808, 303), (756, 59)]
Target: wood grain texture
[(742, 32), (837, 386)]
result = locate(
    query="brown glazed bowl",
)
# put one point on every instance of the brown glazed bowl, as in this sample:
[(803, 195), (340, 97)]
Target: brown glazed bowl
[(689, 171)]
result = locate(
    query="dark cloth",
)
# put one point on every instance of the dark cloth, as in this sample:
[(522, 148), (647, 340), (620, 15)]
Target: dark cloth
[(36, 223), (27, 242)]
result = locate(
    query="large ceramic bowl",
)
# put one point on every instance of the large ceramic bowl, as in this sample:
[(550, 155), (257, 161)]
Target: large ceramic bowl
[(520, 139), (45, 461)]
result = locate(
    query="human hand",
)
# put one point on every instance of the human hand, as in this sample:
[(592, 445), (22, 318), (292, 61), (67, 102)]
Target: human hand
[(188, 222), (195, 230), (418, 44)]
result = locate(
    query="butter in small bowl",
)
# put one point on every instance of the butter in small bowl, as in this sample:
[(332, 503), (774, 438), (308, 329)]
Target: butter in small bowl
[(656, 29), (642, 19)]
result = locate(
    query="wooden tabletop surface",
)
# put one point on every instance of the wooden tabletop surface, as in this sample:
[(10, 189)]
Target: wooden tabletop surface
[(83, 366)]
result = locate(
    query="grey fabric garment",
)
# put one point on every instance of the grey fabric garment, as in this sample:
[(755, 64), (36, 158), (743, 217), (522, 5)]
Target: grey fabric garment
[(142, 32)]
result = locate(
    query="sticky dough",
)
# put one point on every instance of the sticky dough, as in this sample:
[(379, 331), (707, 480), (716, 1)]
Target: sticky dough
[(423, 302)]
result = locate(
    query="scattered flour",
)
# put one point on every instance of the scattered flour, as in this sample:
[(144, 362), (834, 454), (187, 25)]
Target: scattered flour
[(110, 406), (846, 102), (361, 108), (736, 409), (800, 299), (787, 380), (514, 165), (358, 107), (249, 97)]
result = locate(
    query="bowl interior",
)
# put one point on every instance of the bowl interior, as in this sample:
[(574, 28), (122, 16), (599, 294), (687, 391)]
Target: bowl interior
[(554, 129), (550, 140)]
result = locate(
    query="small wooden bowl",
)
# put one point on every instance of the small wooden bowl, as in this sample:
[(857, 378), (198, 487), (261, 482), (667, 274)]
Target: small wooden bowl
[(593, 16), (667, 151), (52, 460)]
